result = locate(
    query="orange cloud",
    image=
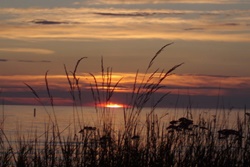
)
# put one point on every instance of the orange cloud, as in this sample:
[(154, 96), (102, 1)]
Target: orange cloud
[(94, 24), (162, 1), (13, 90), (27, 50), (128, 79)]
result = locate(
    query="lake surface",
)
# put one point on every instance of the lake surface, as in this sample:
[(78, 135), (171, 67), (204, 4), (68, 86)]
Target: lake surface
[(25, 120)]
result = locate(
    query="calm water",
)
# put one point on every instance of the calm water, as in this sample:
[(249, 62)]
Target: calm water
[(21, 120)]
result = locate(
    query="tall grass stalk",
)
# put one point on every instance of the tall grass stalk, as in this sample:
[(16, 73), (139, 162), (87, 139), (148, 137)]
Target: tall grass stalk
[(153, 141)]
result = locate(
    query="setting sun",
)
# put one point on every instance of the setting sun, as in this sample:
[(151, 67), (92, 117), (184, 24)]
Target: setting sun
[(114, 105)]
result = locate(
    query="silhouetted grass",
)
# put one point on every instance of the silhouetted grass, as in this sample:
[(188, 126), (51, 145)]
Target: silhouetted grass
[(154, 142)]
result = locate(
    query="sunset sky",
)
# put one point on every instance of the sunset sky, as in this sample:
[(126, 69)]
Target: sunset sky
[(211, 37)]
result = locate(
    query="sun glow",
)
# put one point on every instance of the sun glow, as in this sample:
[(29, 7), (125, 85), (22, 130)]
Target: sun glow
[(114, 105)]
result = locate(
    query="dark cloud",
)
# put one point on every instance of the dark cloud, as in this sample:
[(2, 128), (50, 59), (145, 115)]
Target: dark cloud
[(234, 97), (125, 14), (210, 14), (204, 75), (45, 61), (230, 24), (193, 29), (49, 22), (32, 61), (135, 14), (27, 61), (3, 60)]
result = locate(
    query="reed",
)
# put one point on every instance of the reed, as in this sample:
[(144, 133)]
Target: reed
[(154, 142)]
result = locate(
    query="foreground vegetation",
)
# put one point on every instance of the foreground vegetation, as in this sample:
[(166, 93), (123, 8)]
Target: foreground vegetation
[(155, 142)]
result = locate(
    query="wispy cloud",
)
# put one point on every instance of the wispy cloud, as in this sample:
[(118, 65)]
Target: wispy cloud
[(35, 61), (165, 1), (26, 61), (46, 22), (95, 24), (206, 85), (3, 60), (27, 50), (193, 29), (230, 24), (124, 14), (201, 86), (49, 22)]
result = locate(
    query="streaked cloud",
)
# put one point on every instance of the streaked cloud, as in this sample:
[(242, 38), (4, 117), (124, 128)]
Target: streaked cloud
[(186, 82), (34, 61), (3, 60), (124, 14), (195, 25), (194, 29), (26, 61), (27, 50), (46, 22), (165, 1), (95, 24), (201, 86), (230, 24)]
